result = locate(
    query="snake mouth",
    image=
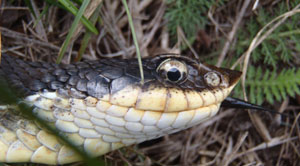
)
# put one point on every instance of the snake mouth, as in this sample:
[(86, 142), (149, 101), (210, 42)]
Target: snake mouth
[(131, 107), (162, 99)]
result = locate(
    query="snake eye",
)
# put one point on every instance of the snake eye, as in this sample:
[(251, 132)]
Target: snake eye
[(172, 70), (212, 79)]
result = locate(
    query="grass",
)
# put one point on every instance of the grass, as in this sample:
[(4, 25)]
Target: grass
[(136, 44), (72, 29), (272, 74), (231, 137)]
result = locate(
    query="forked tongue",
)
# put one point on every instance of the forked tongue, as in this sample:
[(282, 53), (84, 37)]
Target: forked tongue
[(230, 102)]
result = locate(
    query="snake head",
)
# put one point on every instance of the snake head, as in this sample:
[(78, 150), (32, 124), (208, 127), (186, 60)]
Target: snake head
[(186, 73), (192, 84)]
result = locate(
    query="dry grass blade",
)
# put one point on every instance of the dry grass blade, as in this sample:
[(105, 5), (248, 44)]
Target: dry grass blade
[(39, 27), (233, 32), (182, 36), (227, 159), (154, 26), (87, 13), (23, 38), (68, 39), (88, 35), (261, 36), (134, 36), (278, 118), (0, 45), (260, 126), (273, 142)]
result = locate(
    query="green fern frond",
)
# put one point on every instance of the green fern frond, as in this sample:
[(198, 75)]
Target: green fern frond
[(279, 46), (269, 58), (267, 81), (271, 85), (189, 15)]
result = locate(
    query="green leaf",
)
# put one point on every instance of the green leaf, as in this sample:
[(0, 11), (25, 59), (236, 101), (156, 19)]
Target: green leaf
[(72, 30), (72, 8), (259, 95), (87, 36), (252, 94), (28, 3), (273, 85), (189, 15)]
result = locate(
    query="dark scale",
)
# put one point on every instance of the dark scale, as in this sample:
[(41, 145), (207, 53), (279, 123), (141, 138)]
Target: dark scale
[(39, 64), (45, 65), (98, 87), (46, 78), (120, 83), (91, 75), (81, 85), (82, 65), (37, 85), (73, 80), (68, 67), (100, 77), (72, 71), (57, 72), (54, 85), (82, 72), (63, 77), (130, 71), (77, 94), (112, 73)]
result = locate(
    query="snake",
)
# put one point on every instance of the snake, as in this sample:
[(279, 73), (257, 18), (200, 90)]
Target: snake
[(102, 105)]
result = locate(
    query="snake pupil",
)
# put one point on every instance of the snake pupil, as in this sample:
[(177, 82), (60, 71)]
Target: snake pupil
[(174, 74)]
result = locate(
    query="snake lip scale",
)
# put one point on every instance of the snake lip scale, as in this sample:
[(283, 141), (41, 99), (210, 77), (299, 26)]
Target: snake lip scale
[(101, 106)]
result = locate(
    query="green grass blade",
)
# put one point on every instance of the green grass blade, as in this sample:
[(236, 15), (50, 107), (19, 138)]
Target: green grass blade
[(28, 3), (55, 3), (134, 40), (72, 30), (87, 36), (72, 8), (78, 1)]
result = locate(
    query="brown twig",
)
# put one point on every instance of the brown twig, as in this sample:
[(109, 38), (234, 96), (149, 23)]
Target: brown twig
[(233, 32), (26, 40)]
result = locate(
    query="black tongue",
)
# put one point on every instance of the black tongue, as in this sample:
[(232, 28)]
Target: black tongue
[(230, 102)]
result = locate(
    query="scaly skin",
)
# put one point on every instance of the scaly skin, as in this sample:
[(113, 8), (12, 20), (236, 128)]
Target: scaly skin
[(101, 106)]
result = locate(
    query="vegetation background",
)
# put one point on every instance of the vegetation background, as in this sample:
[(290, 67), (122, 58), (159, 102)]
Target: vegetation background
[(259, 37)]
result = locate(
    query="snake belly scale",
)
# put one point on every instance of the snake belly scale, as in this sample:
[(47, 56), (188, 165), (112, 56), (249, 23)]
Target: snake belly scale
[(101, 106)]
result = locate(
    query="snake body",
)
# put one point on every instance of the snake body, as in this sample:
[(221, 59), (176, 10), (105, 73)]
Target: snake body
[(101, 105)]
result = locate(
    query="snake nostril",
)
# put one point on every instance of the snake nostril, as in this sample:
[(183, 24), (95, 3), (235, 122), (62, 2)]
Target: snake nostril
[(212, 79)]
